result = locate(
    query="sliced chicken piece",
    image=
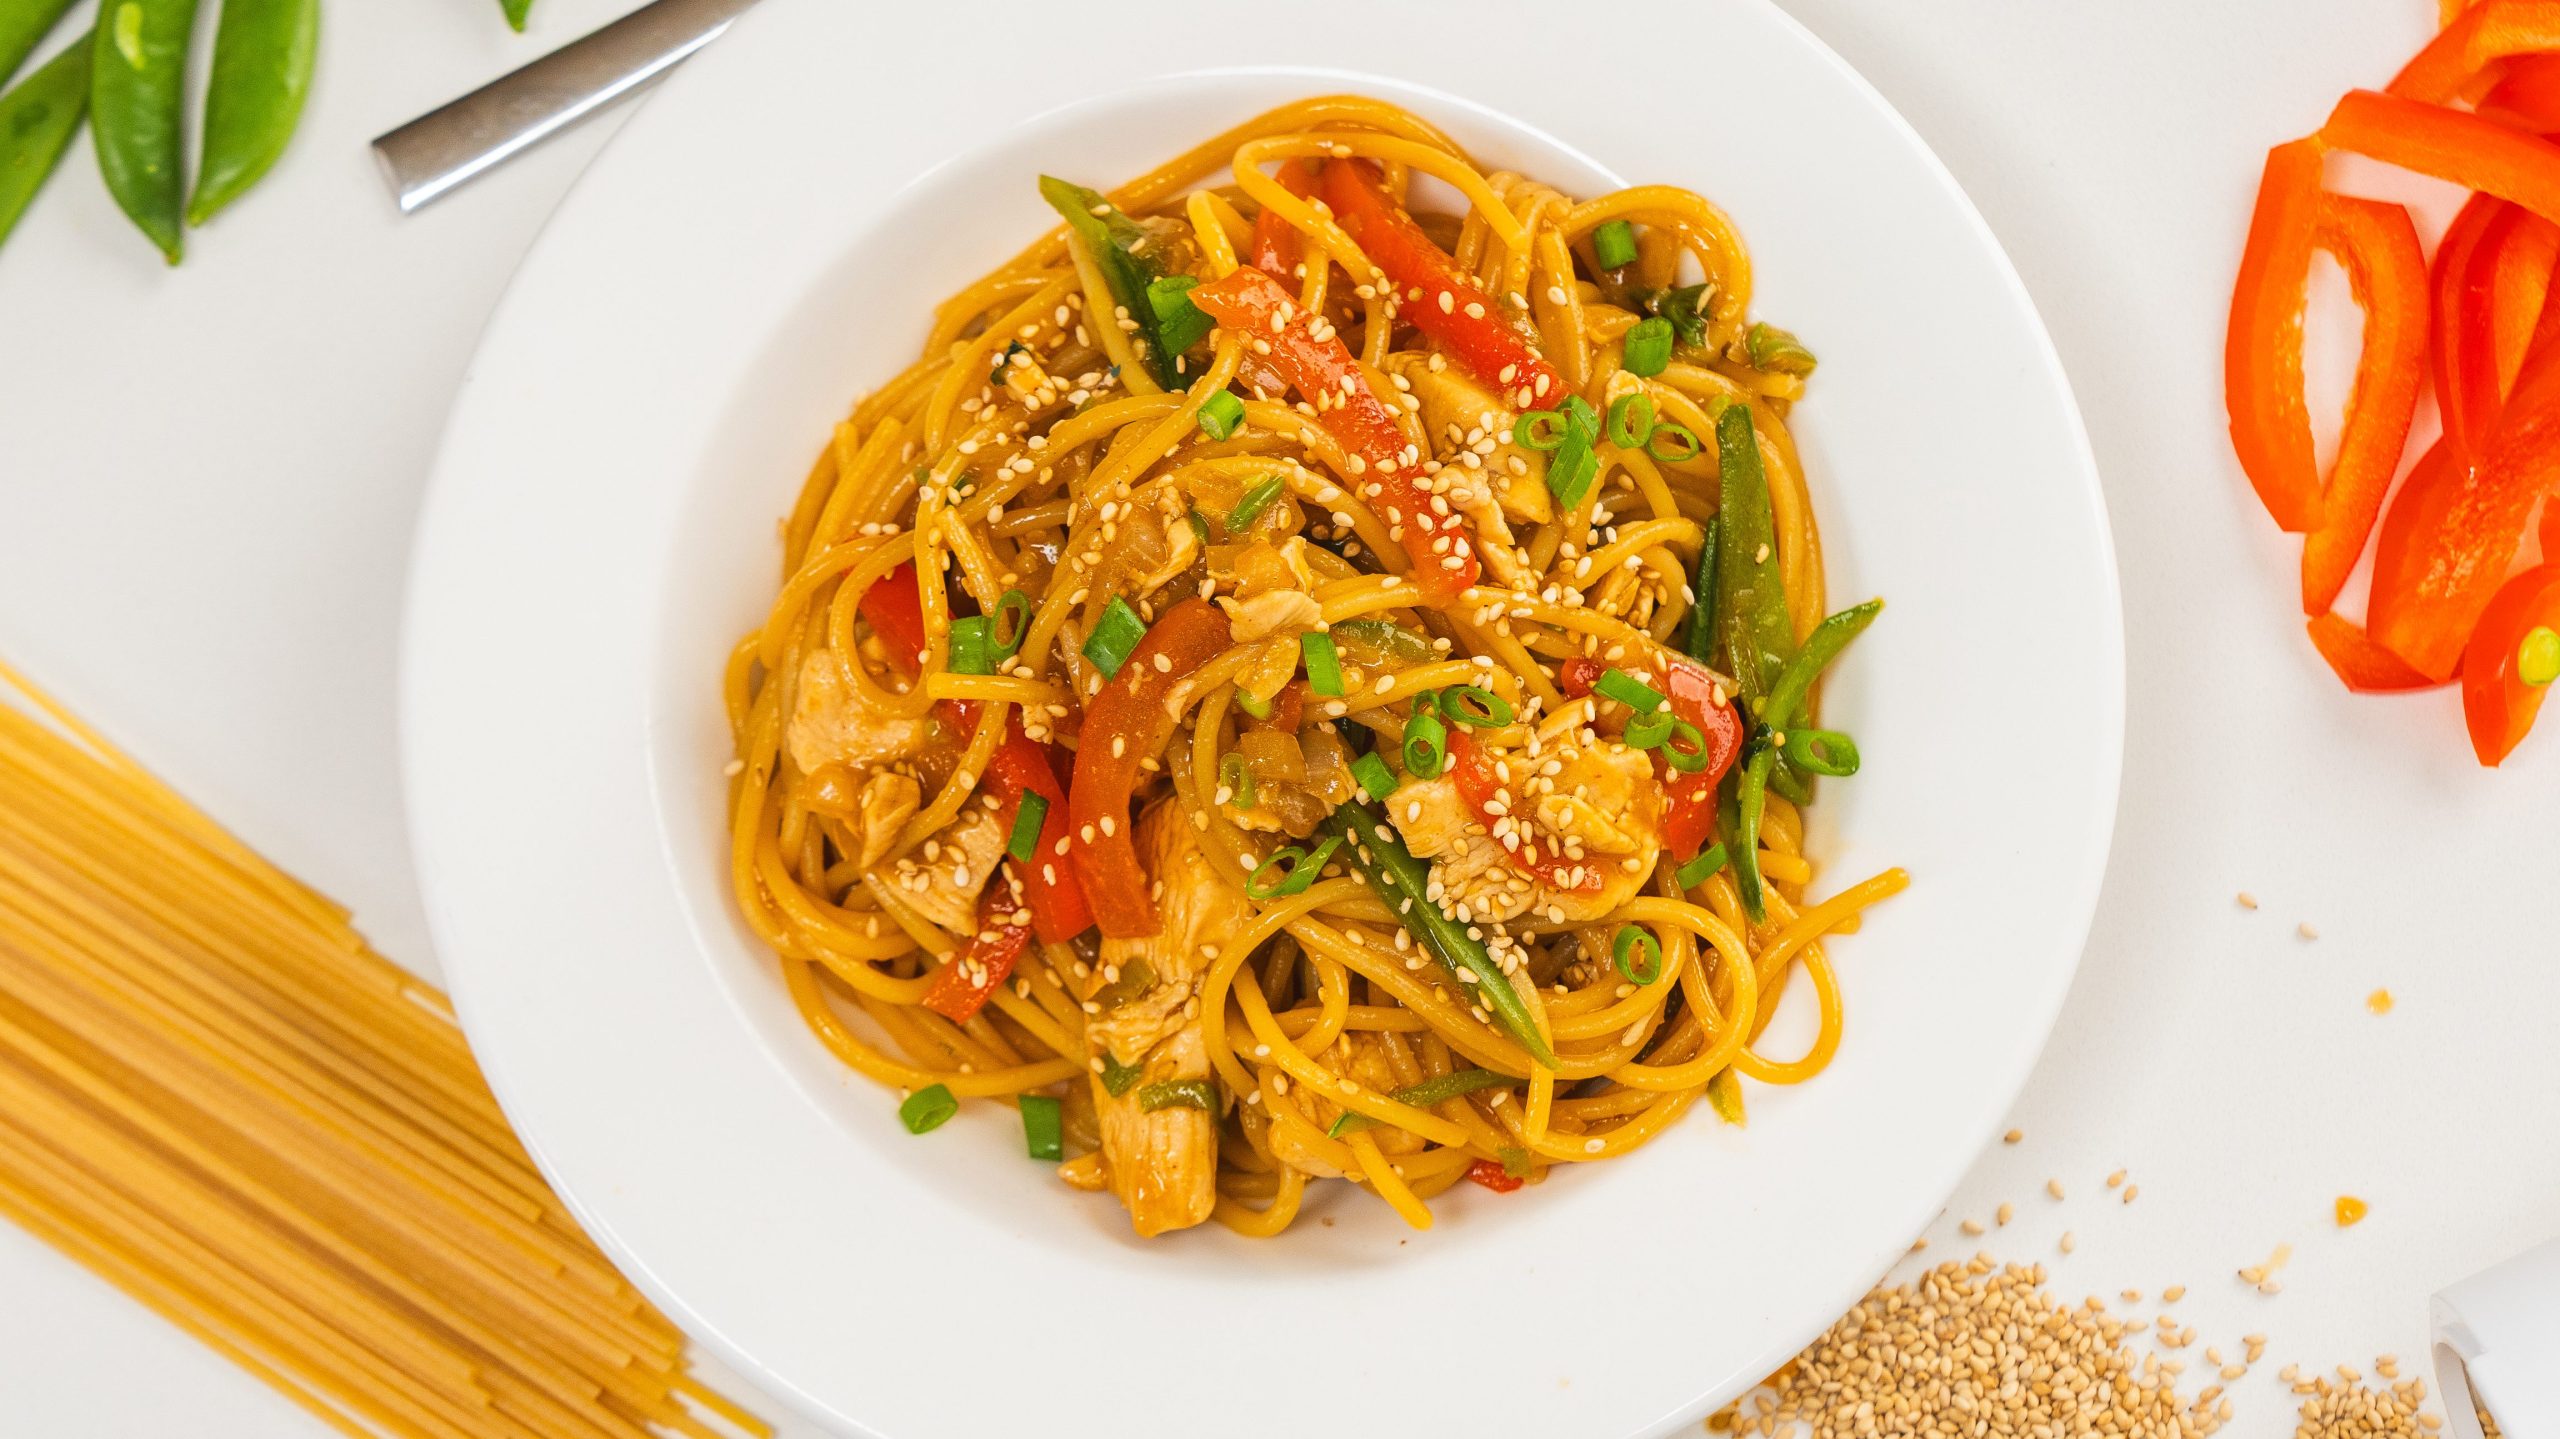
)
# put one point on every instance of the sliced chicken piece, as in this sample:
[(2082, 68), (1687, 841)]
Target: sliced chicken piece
[(1601, 809), (941, 880), (831, 724), (1486, 476), (1163, 1162)]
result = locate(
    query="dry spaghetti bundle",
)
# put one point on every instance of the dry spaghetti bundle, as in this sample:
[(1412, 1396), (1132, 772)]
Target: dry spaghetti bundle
[(217, 1098)]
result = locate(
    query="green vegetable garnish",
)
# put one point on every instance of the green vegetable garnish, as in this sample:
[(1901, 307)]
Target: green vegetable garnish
[(1179, 1093), (1255, 501), (1179, 323), (1024, 842), (1324, 664), (1698, 871), (1824, 752), (928, 1109), (1114, 636), (1627, 690), (1426, 741), (1778, 351), (1112, 239), (1475, 707), (1428, 1094), (1042, 1133), (1117, 1077), (1220, 414), (972, 648), (1637, 954), (1613, 245), (1376, 780), (1290, 870), (1648, 347)]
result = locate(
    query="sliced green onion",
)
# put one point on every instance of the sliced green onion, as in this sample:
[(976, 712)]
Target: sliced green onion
[(1011, 622), (1581, 419), (1637, 953), (928, 1109), (1648, 347), (1117, 1077), (1179, 323), (1475, 707), (1626, 689), (1004, 361), (972, 651), (2538, 658), (1324, 663), (1686, 749), (1630, 421), (1614, 245), (1024, 842), (1220, 414), (1515, 1160), (1114, 636), (1539, 430), (1237, 780), (1724, 1095), (1685, 446), (1648, 731), (1042, 1134), (1182, 1093), (1823, 752), (1199, 526), (1426, 741), (1290, 870), (1256, 499), (1570, 472), (1253, 704), (1428, 1094), (1779, 351), (1381, 640), (1698, 871), (1374, 776)]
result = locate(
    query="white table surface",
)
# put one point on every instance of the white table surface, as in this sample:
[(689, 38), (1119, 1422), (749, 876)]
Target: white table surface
[(208, 476)]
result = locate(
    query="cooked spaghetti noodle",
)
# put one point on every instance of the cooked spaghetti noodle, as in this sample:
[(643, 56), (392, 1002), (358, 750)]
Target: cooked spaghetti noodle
[(218, 1099), (1300, 681)]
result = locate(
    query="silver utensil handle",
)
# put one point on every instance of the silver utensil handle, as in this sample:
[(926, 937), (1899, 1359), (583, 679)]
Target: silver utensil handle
[(443, 148)]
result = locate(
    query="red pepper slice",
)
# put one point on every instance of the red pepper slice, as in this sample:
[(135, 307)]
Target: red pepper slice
[(1438, 298), (2262, 353), (2527, 95), (2451, 145), (2359, 662), (961, 987), (2462, 57), (2493, 272), (1058, 908), (1387, 467), (1471, 768), (2452, 533), (1491, 1174), (1689, 816), (1124, 727), (2497, 703), (1278, 248), (2379, 248)]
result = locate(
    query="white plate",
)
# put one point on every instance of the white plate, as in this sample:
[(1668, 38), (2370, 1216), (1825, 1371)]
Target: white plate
[(763, 243)]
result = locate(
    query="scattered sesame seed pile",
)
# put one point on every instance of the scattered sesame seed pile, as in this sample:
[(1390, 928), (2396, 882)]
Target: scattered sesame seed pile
[(1976, 1349), (2345, 1408)]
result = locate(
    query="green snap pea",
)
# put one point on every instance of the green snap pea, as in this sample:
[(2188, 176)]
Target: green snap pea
[(23, 25), (517, 10), (37, 121), (262, 60), (1700, 639), (137, 98), (1752, 605)]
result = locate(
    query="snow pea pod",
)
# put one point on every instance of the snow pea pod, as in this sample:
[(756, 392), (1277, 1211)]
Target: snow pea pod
[(516, 11), (262, 60), (137, 100), (1751, 605), (37, 121), (23, 24)]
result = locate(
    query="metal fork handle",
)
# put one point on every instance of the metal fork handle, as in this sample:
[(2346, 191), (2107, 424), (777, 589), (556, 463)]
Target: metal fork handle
[(446, 147)]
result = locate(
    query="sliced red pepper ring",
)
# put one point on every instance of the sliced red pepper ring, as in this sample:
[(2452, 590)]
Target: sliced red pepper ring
[(1438, 298), (2450, 145), (2262, 352), (2452, 534), (2511, 662), (1386, 465), (2527, 95), (2378, 246), (964, 983), (2358, 661), (1020, 763), (1125, 726), (2461, 61), (1485, 792)]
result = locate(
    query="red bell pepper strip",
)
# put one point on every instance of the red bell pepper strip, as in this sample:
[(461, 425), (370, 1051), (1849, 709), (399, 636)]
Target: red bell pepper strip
[(2527, 95), (1125, 726), (1438, 299), (2450, 145), (2452, 533), (1689, 815), (2379, 248), (2493, 273), (1485, 792), (2500, 699), (1386, 467), (1278, 248), (2262, 353), (1491, 1174), (2358, 661), (2459, 62), (1058, 908), (961, 987)]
